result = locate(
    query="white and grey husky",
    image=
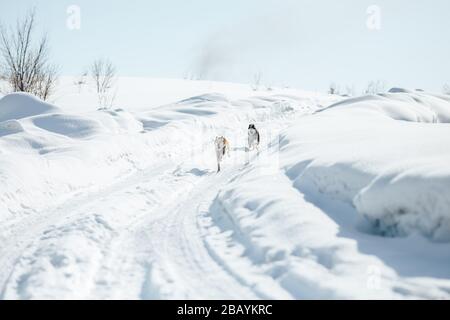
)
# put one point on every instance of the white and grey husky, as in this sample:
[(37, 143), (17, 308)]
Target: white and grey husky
[(253, 137)]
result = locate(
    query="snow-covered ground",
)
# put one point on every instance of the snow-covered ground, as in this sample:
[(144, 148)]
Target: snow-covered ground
[(345, 199)]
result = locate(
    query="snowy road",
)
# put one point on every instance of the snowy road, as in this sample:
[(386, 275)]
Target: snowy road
[(126, 204), (144, 237)]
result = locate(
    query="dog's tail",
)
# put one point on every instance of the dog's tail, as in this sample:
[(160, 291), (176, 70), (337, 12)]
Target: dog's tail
[(226, 147)]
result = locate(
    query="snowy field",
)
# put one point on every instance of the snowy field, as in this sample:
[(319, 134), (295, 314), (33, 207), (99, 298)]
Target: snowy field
[(347, 198)]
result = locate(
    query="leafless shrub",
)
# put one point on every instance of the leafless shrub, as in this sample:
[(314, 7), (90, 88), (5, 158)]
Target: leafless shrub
[(25, 62), (103, 72), (334, 88), (350, 90), (342, 90), (375, 87)]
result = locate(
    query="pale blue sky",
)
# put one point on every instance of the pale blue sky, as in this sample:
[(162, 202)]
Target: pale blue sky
[(300, 43)]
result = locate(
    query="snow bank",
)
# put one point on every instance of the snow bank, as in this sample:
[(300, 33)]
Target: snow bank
[(393, 172), (401, 203), (401, 104), (294, 241), (383, 154), (68, 125), (364, 186), (22, 105)]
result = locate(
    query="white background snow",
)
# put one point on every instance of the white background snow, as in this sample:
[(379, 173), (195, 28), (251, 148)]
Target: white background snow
[(346, 199)]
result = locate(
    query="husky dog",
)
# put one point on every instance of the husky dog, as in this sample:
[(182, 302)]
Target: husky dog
[(222, 148), (253, 137)]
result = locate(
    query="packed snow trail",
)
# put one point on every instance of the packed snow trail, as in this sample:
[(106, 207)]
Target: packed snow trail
[(140, 238), (170, 250)]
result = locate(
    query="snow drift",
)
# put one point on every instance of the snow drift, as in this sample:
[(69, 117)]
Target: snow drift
[(363, 189), (385, 155), (402, 104), (21, 105)]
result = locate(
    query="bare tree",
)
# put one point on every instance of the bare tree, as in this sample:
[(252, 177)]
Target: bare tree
[(46, 81), (25, 62), (103, 73), (446, 89)]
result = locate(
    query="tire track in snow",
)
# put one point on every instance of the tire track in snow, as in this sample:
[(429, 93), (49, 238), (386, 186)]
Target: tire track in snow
[(164, 254), (183, 254), (24, 240)]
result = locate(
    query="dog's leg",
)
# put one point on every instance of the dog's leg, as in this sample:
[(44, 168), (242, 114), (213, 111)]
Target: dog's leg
[(247, 155), (219, 159)]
